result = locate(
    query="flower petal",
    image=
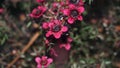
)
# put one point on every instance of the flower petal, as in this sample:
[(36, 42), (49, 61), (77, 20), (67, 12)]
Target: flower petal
[(45, 25), (62, 45), (69, 39), (57, 22), (1, 10), (51, 24), (43, 9), (64, 28), (57, 35), (37, 59), (40, 0), (71, 20), (71, 6), (81, 9), (80, 18), (48, 33), (66, 12), (44, 57), (39, 66), (67, 46), (55, 4), (50, 60)]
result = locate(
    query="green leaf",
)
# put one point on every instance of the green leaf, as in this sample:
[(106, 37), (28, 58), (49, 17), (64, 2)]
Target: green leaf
[(90, 1)]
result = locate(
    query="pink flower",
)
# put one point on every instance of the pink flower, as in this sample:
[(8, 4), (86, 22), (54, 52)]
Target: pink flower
[(40, 1), (75, 2), (1, 10), (56, 6), (43, 61), (55, 28), (73, 13), (38, 12), (66, 43)]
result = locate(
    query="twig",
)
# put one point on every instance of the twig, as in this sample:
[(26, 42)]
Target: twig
[(35, 36)]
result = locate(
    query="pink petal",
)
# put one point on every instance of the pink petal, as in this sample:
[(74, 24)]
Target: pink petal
[(80, 18), (81, 9), (48, 33), (31, 15), (50, 24), (34, 10), (38, 59), (71, 20), (71, 6), (61, 3), (45, 25), (56, 21), (50, 60), (42, 8), (69, 39), (62, 45), (55, 4), (1, 10), (39, 66), (64, 29), (34, 16), (57, 35), (44, 57), (67, 47), (40, 0), (66, 12)]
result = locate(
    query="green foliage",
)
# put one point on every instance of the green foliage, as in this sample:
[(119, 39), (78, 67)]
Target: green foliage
[(89, 1), (3, 36)]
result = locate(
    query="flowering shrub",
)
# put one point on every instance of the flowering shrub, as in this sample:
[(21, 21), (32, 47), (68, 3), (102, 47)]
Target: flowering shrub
[(59, 34), (57, 25), (61, 16)]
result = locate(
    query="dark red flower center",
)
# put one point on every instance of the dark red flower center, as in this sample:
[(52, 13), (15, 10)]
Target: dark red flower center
[(44, 62), (74, 1), (74, 13), (56, 28), (38, 12)]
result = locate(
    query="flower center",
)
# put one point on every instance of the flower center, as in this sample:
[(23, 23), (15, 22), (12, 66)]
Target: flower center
[(74, 1), (60, 17), (44, 62), (56, 28), (74, 13), (37, 12)]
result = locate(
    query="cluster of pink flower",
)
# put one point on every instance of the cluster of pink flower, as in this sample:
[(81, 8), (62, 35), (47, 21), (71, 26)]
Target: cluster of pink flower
[(60, 15)]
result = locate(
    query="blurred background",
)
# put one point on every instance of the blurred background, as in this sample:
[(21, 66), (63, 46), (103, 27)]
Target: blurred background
[(96, 40)]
